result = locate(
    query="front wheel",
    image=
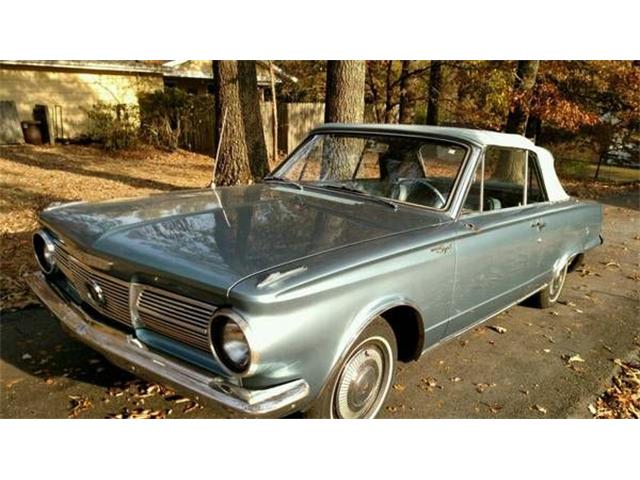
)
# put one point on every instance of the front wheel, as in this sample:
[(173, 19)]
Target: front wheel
[(361, 384)]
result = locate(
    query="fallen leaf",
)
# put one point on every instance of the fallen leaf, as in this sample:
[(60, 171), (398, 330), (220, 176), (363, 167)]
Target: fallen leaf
[(429, 381), (78, 404), (11, 383), (540, 408), (399, 387), (498, 328), (592, 409), (611, 263), (573, 358), (493, 407), (455, 379), (481, 387), (26, 356)]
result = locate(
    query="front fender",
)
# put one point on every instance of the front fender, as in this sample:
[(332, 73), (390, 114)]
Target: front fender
[(360, 321)]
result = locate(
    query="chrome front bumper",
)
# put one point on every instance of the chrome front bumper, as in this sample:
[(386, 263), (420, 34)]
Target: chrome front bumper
[(130, 354)]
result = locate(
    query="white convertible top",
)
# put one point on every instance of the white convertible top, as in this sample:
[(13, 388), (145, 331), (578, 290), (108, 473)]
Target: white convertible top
[(481, 138), (555, 192)]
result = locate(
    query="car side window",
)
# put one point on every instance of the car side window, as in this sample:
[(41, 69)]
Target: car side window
[(504, 177), (369, 166), (499, 181), (472, 202), (535, 190)]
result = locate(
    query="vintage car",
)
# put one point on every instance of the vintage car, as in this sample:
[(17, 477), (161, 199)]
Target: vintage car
[(367, 246)]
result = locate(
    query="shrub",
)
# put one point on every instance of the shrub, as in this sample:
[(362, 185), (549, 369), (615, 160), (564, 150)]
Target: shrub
[(113, 126), (169, 118)]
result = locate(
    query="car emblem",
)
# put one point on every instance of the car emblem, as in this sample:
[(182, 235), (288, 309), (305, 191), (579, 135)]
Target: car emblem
[(96, 295)]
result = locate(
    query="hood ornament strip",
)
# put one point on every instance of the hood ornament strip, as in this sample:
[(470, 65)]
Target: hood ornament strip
[(277, 276)]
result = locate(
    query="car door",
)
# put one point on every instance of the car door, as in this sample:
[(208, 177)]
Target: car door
[(554, 234), (496, 246)]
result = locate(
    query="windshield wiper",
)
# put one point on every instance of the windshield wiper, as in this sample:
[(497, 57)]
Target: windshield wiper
[(271, 178), (357, 191)]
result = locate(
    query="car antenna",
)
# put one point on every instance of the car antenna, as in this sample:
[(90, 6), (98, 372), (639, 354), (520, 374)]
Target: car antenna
[(215, 160)]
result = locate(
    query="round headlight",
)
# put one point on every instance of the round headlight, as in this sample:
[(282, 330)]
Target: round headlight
[(229, 343), (44, 248)]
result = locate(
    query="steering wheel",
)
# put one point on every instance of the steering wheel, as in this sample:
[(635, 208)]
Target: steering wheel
[(417, 190)]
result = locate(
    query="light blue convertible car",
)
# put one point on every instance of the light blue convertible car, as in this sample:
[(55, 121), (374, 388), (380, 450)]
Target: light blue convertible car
[(367, 246)]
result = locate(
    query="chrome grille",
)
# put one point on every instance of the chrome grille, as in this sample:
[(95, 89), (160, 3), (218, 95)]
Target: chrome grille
[(116, 291), (175, 316)]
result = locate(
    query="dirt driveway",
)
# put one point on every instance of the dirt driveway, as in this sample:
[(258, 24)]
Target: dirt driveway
[(547, 364)]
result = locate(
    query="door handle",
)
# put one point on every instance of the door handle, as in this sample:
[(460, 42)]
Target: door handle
[(471, 226), (539, 224)]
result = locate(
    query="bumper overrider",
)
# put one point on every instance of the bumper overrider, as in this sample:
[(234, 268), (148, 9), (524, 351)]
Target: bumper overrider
[(129, 353)]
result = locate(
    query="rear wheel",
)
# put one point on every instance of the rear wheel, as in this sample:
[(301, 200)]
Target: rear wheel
[(361, 384), (549, 295)]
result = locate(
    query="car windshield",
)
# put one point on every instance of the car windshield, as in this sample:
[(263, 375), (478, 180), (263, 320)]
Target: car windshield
[(394, 168)]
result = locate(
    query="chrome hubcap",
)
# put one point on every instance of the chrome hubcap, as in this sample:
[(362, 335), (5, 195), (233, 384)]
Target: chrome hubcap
[(557, 283), (364, 381)]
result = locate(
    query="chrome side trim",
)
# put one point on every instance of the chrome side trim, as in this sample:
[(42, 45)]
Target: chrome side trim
[(130, 354)]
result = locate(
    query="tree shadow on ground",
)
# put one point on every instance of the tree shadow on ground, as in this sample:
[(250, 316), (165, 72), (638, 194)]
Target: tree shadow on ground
[(630, 201), (32, 341), (21, 198), (52, 161)]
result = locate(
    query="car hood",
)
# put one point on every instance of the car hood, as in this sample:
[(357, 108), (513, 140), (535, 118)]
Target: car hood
[(218, 237)]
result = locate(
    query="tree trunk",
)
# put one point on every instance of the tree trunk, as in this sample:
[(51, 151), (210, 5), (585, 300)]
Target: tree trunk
[(435, 86), (375, 97), (526, 74), (448, 94), (242, 152), (274, 113), (345, 91), (344, 104), (407, 94), (534, 127), (388, 88), (253, 130)]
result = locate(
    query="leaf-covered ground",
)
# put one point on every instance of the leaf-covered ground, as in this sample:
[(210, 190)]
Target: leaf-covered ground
[(622, 398), (34, 176)]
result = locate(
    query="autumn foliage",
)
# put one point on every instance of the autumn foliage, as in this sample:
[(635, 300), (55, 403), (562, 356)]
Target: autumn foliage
[(569, 99)]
